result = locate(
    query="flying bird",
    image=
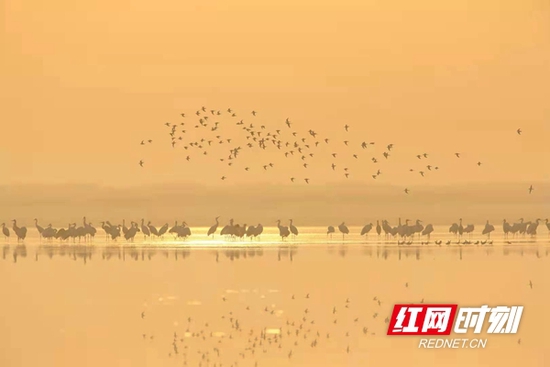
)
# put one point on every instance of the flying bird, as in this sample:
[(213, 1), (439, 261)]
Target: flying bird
[(531, 189), (406, 191), (141, 163), (518, 131), (457, 155)]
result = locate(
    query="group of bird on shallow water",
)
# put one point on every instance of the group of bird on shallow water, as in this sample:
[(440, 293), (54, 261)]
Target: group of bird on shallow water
[(405, 233), (286, 140)]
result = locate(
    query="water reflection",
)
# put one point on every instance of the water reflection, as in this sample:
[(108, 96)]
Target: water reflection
[(85, 253)]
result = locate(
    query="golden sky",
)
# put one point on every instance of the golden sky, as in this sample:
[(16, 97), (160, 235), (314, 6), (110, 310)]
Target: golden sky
[(82, 83)]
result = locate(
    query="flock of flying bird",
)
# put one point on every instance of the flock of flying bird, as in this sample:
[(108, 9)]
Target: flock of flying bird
[(405, 233), (288, 141)]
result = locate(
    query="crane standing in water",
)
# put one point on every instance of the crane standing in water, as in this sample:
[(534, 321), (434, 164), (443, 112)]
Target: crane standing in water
[(212, 230), (20, 232), (293, 229), (342, 228), (330, 231), (283, 231), (488, 229), (6, 231)]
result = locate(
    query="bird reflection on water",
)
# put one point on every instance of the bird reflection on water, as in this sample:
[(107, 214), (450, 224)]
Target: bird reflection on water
[(270, 305), (147, 253)]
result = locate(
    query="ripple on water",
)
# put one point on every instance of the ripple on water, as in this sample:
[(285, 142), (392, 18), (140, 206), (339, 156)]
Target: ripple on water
[(194, 303)]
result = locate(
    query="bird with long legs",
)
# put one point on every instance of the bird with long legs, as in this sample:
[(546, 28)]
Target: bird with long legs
[(163, 230), (366, 229), (20, 232), (145, 230), (259, 230), (106, 227), (49, 232), (250, 232), (174, 229), (488, 229), (532, 229), (228, 229), (131, 232), (343, 229), (6, 231), (469, 229), (293, 229), (185, 230), (427, 231), (460, 229), (283, 231), (152, 229), (124, 228), (90, 229), (39, 228), (212, 230), (330, 231), (387, 229), (506, 228)]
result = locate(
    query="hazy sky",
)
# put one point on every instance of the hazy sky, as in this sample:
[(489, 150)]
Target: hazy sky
[(82, 84)]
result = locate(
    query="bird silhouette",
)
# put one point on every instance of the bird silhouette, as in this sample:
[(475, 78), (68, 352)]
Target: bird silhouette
[(293, 229), (330, 231), (212, 230), (343, 229)]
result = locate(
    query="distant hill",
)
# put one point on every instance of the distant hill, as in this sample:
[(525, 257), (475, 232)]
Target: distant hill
[(307, 205)]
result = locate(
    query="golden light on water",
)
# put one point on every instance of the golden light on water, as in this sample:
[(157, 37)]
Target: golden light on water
[(82, 86)]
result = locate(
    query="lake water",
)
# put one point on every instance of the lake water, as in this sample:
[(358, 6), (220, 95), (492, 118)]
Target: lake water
[(203, 302)]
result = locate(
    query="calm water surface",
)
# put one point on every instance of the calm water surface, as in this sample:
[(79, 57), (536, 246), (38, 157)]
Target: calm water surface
[(202, 305)]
